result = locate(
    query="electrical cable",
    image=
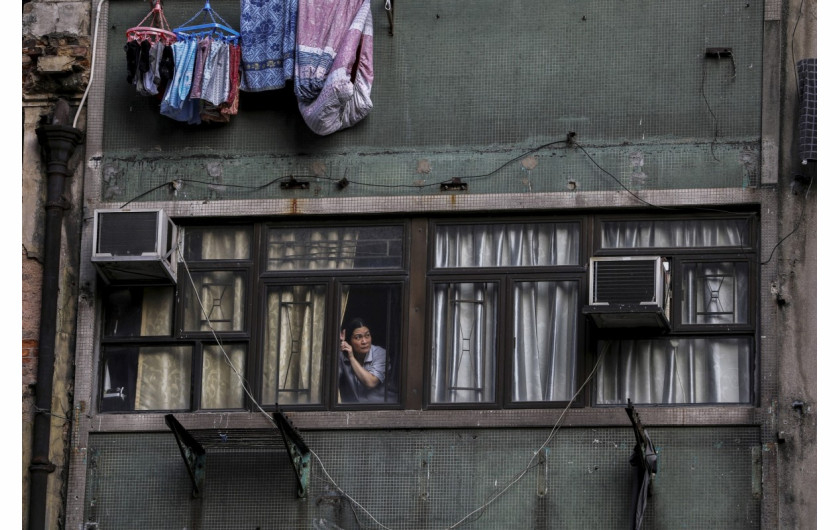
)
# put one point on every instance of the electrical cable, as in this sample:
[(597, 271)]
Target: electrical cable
[(795, 228), (551, 435), (244, 386)]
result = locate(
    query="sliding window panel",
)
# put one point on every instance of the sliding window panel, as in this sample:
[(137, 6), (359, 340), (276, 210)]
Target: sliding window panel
[(709, 370), (545, 338), (464, 343), (293, 345), (138, 311), (215, 301), (223, 376)]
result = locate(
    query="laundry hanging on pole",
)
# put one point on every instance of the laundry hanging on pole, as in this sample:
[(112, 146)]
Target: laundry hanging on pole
[(334, 63), (268, 29)]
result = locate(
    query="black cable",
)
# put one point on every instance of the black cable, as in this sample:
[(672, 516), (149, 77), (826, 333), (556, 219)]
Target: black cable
[(795, 228)]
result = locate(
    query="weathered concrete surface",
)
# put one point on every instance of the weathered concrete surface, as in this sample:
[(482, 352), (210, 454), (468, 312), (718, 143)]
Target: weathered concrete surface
[(797, 293)]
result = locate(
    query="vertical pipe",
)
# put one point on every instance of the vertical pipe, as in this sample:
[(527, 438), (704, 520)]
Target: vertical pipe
[(58, 143)]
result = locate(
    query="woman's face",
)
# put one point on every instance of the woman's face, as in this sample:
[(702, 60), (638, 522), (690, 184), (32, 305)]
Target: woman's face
[(360, 340)]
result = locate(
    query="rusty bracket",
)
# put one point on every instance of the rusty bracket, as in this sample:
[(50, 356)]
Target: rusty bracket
[(456, 184), (299, 453), (192, 452)]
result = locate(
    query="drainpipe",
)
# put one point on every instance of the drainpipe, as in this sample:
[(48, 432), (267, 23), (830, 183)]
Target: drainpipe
[(58, 141)]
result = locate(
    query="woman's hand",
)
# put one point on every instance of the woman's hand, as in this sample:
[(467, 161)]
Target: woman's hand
[(344, 346)]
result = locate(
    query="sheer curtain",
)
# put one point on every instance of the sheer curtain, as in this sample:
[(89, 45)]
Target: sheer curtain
[(164, 372), (464, 356), (293, 349), (685, 370), (545, 341)]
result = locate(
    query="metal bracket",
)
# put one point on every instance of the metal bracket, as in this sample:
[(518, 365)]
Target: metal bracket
[(299, 454), (644, 461), (192, 452), (456, 184), (294, 184)]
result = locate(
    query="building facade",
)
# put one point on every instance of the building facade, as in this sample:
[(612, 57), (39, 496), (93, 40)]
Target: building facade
[(550, 209)]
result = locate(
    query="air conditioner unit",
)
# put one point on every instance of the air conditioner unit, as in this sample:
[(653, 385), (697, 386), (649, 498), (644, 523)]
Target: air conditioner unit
[(134, 246), (629, 292)]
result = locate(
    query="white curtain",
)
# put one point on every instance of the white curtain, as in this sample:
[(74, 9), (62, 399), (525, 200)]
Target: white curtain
[(545, 341), (689, 370), (293, 346), (685, 370), (683, 233), (164, 376), (221, 388), (464, 357)]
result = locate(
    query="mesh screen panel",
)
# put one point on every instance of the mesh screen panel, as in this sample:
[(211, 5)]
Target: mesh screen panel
[(430, 479), (480, 90)]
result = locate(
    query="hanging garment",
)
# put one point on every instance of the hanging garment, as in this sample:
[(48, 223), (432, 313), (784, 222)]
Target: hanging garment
[(176, 103), (268, 29), (132, 58), (151, 78), (231, 104), (334, 69), (215, 85), (166, 69), (198, 71)]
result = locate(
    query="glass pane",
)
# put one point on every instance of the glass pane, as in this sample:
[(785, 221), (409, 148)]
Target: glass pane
[(545, 341), (715, 293), (138, 312), (370, 330), (348, 247), (682, 233), (690, 370), (507, 245), (464, 343), (221, 386), (222, 304), (146, 378), (218, 243), (293, 344)]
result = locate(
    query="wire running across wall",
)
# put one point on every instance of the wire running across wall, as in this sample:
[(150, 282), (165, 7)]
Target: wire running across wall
[(442, 112), (243, 383)]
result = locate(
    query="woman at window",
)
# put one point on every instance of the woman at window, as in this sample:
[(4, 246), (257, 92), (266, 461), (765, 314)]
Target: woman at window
[(361, 365)]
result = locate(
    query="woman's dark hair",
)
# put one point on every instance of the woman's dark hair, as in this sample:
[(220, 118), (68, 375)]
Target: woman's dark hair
[(355, 324)]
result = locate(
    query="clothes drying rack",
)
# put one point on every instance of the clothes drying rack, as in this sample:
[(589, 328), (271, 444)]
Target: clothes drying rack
[(213, 26), (157, 30)]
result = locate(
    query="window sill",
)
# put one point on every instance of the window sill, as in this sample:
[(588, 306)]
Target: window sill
[(694, 416)]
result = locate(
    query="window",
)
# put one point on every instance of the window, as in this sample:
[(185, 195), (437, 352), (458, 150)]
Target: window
[(316, 316), (504, 287), (708, 357)]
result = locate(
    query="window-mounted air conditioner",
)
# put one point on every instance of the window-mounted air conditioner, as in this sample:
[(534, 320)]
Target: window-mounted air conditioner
[(629, 292), (134, 246)]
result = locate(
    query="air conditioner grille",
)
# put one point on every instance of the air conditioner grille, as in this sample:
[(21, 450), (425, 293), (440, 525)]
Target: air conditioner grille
[(127, 233), (625, 282)]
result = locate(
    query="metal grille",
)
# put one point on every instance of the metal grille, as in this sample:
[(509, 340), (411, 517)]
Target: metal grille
[(431, 479), (478, 90), (625, 281)]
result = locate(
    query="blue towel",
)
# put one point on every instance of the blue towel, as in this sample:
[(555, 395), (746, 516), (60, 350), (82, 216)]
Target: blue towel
[(268, 29)]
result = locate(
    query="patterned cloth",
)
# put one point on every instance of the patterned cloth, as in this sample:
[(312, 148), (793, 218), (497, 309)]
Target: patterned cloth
[(176, 103), (334, 64), (268, 29), (806, 73)]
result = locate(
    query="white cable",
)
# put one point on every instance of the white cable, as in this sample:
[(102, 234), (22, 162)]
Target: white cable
[(92, 62), (529, 466), (519, 477), (251, 397)]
